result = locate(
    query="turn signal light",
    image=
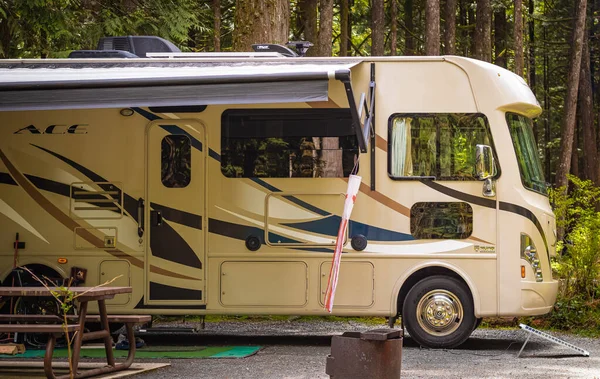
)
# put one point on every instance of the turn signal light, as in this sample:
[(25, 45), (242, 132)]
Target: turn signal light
[(523, 272), (62, 261)]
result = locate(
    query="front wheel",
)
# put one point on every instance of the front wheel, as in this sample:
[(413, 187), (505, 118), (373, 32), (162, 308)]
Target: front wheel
[(438, 312)]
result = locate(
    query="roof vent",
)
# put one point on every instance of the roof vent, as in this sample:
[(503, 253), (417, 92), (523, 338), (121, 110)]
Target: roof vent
[(138, 45), (101, 54)]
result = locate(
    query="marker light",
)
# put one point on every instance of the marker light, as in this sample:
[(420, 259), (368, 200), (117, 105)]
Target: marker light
[(522, 271), (62, 261)]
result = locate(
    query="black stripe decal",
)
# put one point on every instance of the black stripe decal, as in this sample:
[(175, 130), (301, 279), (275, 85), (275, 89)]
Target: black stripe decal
[(180, 217), (164, 292), (5, 178), (214, 155), (488, 203), (521, 211)]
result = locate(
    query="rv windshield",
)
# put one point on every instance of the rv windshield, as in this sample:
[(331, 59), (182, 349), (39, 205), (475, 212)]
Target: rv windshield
[(523, 140)]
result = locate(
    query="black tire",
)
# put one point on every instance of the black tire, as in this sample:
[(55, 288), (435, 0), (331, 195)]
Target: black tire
[(478, 322), (451, 314)]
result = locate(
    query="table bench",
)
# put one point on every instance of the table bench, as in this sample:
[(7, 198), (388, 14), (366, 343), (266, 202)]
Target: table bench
[(54, 328)]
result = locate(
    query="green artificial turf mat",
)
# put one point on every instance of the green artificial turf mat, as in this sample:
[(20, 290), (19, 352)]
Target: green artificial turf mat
[(176, 352)]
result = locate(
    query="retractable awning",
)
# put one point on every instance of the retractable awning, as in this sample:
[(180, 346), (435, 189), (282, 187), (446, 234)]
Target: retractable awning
[(46, 86)]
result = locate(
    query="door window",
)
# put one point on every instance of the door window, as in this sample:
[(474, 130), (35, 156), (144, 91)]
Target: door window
[(176, 161)]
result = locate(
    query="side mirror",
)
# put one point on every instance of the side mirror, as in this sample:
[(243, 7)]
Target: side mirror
[(484, 162)]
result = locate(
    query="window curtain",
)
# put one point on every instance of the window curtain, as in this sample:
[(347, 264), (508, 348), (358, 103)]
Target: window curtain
[(401, 148)]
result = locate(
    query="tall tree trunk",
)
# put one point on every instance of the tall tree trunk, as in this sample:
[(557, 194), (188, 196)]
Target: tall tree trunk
[(518, 36), (378, 23), (575, 157), (323, 46), (531, 70), (586, 112), (471, 29), (483, 31), (344, 29), (568, 128), (393, 27), (450, 30), (258, 21), (432, 27), (500, 36), (216, 5), (409, 40)]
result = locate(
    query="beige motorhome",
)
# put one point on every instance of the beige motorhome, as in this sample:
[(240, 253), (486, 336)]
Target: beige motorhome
[(214, 186)]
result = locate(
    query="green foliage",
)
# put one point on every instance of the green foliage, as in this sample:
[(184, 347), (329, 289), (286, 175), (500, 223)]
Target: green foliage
[(578, 265)]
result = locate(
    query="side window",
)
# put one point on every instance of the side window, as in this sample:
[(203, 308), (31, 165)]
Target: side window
[(288, 143), (439, 146), (441, 220), (176, 161)]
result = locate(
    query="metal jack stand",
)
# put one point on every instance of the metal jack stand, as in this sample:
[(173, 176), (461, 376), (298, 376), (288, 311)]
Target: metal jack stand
[(547, 336)]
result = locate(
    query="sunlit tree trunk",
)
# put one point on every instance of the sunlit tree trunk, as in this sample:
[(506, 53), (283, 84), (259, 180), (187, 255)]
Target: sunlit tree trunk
[(323, 46), (483, 31), (450, 29), (308, 16), (344, 28), (432, 27), (568, 127), (258, 21), (518, 36), (393, 26), (377, 29), (586, 112)]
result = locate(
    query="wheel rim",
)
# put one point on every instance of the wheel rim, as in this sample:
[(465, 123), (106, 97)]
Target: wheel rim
[(439, 312)]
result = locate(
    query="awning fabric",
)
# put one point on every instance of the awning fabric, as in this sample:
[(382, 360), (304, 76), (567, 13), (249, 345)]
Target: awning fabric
[(44, 86)]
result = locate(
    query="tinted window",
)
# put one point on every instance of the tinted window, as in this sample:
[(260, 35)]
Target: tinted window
[(176, 158), (440, 146), (288, 143), (441, 220)]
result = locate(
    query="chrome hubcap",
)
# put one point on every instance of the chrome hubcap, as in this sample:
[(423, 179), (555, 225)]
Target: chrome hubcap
[(439, 312)]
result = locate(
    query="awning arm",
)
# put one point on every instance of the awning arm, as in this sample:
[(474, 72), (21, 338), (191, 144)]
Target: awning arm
[(364, 130)]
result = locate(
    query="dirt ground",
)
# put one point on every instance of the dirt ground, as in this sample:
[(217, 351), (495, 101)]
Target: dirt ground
[(297, 349)]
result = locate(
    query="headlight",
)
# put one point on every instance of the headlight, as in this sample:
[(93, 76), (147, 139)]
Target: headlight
[(530, 254)]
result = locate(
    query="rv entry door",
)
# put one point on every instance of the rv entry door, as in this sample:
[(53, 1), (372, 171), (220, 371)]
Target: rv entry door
[(175, 213)]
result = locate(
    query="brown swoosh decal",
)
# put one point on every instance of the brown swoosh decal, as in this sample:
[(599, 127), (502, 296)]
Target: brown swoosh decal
[(381, 143), (479, 240), (381, 198), (71, 224)]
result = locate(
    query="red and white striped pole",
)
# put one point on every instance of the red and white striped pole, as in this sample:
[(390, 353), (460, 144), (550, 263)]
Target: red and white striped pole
[(353, 186)]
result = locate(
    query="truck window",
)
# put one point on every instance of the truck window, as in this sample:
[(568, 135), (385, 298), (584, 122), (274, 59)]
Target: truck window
[(441, 220), (288, 143), (176, 161), (438, 146)]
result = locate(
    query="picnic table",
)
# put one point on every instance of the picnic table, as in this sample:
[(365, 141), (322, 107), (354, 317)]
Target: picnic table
[(53, 326)]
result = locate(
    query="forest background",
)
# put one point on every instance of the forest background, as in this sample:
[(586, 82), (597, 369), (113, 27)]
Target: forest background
[(553, 44)]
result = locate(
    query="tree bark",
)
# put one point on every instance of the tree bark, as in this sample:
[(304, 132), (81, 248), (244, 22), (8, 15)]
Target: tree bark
[(500, 37), (483, 31), (393, 27), (586, 112), (323, 46), (432, 27), (450, 30), (344, 29), (471, 29), (377, 28), (308, 13), (409, 40), (568, 129), (531, 71), (518, 36), (258, 21), (463, 22), (216, 5)]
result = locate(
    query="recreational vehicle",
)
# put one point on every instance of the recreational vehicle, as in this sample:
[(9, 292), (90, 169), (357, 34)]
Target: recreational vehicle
[(214, 185)]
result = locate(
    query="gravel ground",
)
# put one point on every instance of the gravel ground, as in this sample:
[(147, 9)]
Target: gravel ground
[(298, 349)]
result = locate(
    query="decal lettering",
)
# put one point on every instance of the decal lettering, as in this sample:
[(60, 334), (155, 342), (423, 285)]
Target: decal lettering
[(54, 129)]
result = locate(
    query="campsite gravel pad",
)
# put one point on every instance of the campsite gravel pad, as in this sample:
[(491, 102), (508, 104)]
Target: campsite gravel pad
[(169, 352)]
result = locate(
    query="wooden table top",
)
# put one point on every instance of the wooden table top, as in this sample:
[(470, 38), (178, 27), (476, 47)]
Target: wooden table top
[(90, 292)]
